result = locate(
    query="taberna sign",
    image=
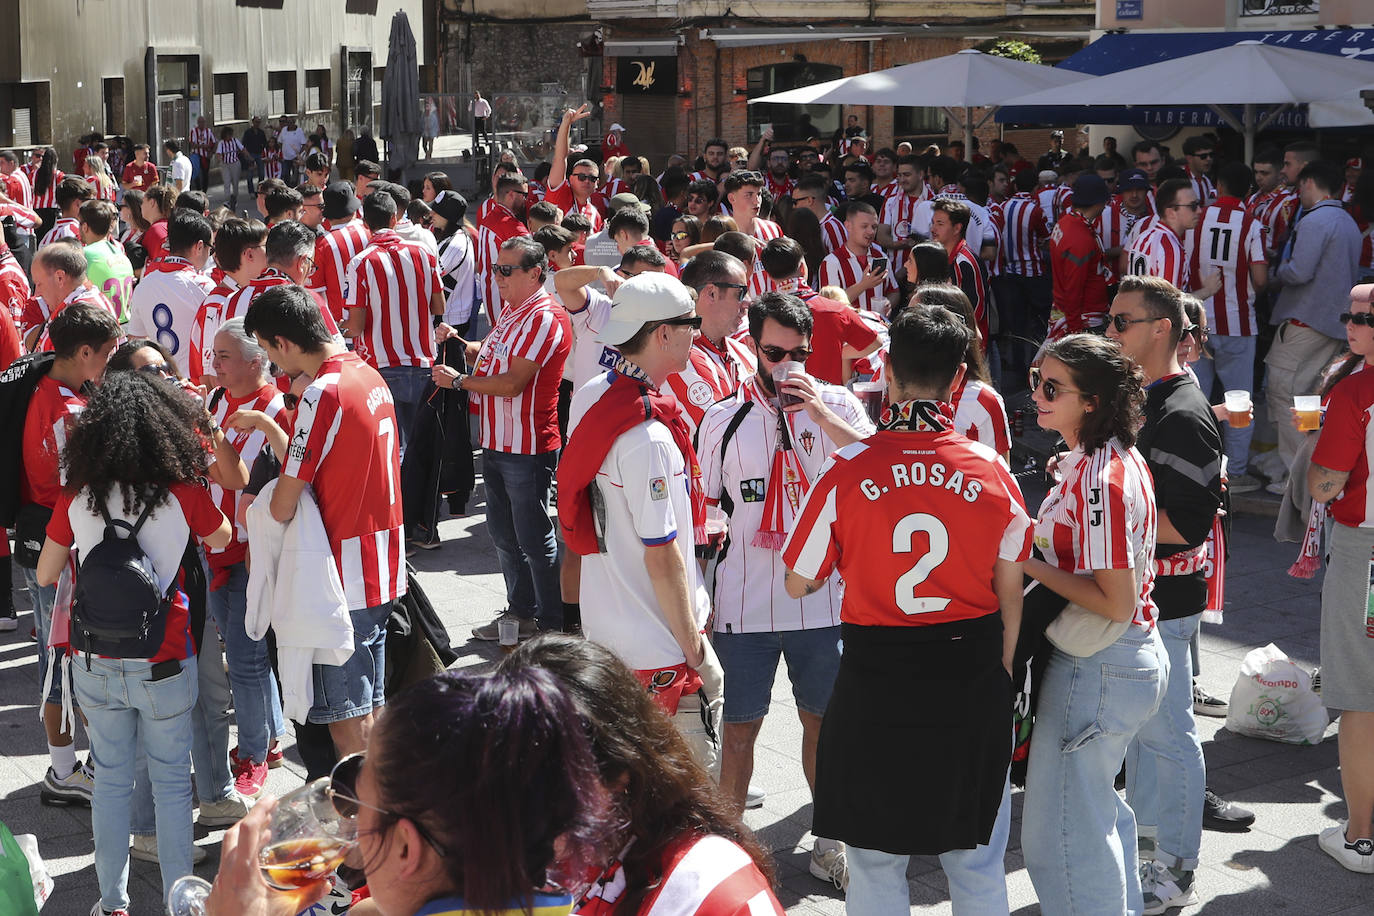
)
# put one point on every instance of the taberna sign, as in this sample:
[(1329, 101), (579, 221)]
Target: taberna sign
[(646, 75)]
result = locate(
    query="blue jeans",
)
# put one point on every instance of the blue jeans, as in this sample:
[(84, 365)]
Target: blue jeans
[(257, 703), (750, 662), (357, 687), (43, 597), (1165, 773), (407, 384), (125, 708), (1233, 361), (1078, 836), (520, 527), (977, 877)]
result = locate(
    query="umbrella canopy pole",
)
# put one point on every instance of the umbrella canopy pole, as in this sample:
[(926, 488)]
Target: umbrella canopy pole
[(964, 123), (1247, 125)]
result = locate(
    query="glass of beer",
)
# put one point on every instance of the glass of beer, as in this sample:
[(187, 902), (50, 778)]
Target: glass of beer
[(1309, 408), (308, 840), (1238, 409), (780, 373), (870, 394)]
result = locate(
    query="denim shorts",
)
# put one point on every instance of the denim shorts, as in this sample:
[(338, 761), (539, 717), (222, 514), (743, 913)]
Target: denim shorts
[(354, 688), (750, 661)]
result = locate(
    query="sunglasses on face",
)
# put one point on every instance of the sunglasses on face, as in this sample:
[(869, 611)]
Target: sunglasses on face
[(1191, 205), (506, 270), (693, 322), (778, 354), (343, 793), (1207, 155), (583, 176), (159, 368), (736, 286), (1359, 319), (802, 200), (1121, 322), (1052, 389), (680, 235)]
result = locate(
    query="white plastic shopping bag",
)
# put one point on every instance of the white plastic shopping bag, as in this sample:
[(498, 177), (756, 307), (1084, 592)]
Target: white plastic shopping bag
[(42, 882), (1273, 698)]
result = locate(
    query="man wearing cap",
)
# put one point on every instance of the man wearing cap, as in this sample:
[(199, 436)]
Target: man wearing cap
[(1133, 204), (614, 144), (345, 236), (1076, 260), (1054, 160), (632, 505)]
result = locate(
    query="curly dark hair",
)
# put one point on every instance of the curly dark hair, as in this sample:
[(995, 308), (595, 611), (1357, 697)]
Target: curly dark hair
[(137, 433), (660, 791), (1111, 380)]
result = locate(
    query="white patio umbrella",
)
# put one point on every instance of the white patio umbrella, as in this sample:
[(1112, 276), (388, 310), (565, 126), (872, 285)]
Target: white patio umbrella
[(958, 83), (1233, 81)]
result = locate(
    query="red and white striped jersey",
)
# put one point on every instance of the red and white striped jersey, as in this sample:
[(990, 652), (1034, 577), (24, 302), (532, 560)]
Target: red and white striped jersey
[(271, 162), (202, 140), (228, 150), (1053, 202), (393, 281), (1230, 239), (844, 268), (765, 230), (1202, 186), (1101, 515), (1275, 211), (906, 214), (915, 523), (20, 177), (1158, 252), (347, 447), (1114, 229), (37, 312), (166, 301), (48, 199), (248, 445), (103, 190), (888, 191), (992, 235), (711, 374), (333, 251), (701, 875), (833, 232), (64, 228), (540, 331), (778, 189), (616, 186), (1025, 233), (981, 415), (236, 304), (209, 319), (967, 273), (14, 287), (499, 227)]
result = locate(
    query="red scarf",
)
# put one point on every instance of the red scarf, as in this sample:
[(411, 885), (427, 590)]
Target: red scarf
[(168, 265), (787, 481), (627, 403)]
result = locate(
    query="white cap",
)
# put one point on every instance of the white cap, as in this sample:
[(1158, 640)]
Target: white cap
[(1048, 175), (617, 126), (646, 297)]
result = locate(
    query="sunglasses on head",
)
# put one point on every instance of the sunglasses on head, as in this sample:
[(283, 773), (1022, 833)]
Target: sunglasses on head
[(343, 793), (778, 354), (1052, 389), (1360, 319)]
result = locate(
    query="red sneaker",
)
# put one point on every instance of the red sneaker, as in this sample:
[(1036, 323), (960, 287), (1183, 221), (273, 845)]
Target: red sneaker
[(274, 756), (249, 777)]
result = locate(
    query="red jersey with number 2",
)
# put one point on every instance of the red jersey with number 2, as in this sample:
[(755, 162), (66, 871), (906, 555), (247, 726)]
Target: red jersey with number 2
[(915, 522), (346, 447)]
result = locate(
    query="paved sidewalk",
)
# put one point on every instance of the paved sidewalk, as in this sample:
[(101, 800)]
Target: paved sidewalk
[(1274, 867)]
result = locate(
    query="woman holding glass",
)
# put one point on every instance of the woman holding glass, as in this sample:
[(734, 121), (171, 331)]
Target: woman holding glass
[(1095, 540)]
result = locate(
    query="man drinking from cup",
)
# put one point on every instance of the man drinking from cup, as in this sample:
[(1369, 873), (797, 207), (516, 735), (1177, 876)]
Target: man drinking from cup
[(760, 449)]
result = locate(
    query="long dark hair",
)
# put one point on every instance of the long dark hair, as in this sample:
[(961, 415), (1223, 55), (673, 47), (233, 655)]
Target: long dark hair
[(47, 167), (137, 433), (496, 768), (805, 227), (956, 300), (661, 793), (1111, 379)]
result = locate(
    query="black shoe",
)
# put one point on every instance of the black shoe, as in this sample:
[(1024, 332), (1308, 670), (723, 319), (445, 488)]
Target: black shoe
[(1204, 704), (1226, 817)]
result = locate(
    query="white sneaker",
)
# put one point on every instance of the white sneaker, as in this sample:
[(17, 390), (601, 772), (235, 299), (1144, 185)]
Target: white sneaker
[(223, 813), (144, 848), (831, 865), (76, 788), (1165, 889), (753, 797), (1357, 856)]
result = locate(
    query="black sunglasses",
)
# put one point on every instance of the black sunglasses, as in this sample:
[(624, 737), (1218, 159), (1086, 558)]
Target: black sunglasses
[(159, 368), (693, 322), (1207, 155), (1051, 387), (343, 793), (506, 270), (739, 286), (778, 354), (581, 176), (1191, 205), (1360, 319), (1121, 322)]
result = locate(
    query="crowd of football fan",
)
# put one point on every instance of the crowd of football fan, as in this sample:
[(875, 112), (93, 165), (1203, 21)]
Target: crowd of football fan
[(700, 363)]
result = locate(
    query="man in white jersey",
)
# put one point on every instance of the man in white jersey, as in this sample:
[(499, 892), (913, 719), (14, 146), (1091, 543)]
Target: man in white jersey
[(165, 303)]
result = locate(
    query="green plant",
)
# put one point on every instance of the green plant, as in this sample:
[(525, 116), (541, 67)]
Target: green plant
[(1015, 50)]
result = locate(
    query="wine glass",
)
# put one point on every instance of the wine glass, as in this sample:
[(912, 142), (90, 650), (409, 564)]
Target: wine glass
[(308, 839)]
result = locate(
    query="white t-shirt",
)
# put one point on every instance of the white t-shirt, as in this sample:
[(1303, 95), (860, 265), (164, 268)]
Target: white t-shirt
[(590, 357), (292, 142), (181, 171), (641, 499), (750, 597), (457, 268), (164, 307)]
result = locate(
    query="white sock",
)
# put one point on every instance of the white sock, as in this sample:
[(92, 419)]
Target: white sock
[(63, 758)]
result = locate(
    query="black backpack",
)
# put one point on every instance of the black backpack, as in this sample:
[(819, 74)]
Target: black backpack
[(117, 608), (17, 384)]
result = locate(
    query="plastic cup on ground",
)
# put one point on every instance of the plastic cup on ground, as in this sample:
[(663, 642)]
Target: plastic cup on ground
[(1309, 408), (508, 633), (1238, 409), (780, 373)]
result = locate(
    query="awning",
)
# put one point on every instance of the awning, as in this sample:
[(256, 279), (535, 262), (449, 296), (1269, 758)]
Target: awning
[(1113, 53), (748, 38), (646, 48)]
